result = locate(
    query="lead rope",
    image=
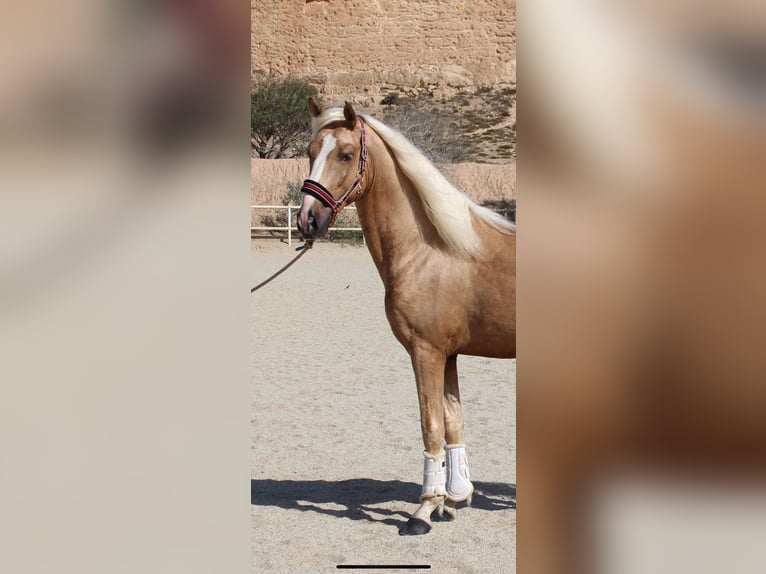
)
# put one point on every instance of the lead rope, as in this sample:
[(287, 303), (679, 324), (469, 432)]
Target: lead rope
[(303, 251)]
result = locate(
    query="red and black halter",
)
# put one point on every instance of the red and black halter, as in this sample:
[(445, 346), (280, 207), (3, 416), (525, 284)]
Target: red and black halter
[(316, 189)]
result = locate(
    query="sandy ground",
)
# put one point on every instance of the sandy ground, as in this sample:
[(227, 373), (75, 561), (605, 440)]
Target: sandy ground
[(336, 449)]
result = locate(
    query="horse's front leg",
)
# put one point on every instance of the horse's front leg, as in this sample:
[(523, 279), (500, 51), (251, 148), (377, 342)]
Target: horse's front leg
[(459, 486), (428, 364)]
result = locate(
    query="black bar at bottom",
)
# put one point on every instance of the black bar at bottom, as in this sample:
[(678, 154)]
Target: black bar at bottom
[(386, 566)]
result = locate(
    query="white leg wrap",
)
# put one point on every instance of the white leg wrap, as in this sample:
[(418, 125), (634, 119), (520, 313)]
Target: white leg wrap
[(459, 485), (434, 476)]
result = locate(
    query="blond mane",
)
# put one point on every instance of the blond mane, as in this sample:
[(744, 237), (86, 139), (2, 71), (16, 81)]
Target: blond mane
[(447, 208)]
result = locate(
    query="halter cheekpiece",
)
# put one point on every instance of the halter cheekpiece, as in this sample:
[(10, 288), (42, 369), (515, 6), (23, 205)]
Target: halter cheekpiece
[(316, 189)]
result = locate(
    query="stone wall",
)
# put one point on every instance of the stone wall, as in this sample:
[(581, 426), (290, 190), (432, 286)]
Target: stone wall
[(361, 46)]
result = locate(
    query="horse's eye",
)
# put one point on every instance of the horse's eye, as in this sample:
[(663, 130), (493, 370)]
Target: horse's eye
[(346, 157)]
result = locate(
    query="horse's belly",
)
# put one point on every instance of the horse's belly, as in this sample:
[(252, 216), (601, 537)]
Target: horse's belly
[(491, 339)]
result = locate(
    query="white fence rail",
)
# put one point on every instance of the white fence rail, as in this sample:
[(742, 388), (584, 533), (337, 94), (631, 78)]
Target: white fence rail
[(290, 228)]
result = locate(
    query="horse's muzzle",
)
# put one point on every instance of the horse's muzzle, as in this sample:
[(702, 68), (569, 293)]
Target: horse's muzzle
[(306, 223), (313, 223)]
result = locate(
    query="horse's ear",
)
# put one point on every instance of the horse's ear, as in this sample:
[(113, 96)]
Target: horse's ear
[(349, 113), (314, 108)]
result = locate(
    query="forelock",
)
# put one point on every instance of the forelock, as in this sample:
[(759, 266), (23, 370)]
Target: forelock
[(327, 117)]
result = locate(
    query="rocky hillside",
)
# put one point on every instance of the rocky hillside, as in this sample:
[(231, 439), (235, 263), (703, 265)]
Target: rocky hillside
[(443, 72), (366, 46)]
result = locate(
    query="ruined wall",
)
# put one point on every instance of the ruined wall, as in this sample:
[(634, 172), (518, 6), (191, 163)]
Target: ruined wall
[(345, 46), (481, 181)]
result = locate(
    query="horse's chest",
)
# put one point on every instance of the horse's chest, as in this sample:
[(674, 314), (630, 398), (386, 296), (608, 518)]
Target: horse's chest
[(435, 311)]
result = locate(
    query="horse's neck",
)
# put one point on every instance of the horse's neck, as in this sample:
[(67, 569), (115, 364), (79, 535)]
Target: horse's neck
[(392, 217)]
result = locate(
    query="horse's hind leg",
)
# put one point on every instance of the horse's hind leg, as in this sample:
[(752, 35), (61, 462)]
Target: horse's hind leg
[(458, 486), (428, 364)]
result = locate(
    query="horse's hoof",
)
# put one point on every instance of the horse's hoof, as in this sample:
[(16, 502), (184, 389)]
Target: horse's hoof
[(448, 514), (415, 527)]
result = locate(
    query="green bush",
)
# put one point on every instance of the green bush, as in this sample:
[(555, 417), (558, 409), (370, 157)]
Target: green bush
[(279, 119), (293, 195)]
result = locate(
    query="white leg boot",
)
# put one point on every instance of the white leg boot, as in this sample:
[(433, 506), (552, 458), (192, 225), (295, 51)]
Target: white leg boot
[(434, 476), (459, 485), (432, 496)]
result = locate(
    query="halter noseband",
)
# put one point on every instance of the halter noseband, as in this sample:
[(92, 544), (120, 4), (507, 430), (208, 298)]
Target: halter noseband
[(316, 189)]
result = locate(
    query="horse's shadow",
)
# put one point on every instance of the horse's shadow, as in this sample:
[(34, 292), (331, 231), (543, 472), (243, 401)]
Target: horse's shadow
[(356, 498)]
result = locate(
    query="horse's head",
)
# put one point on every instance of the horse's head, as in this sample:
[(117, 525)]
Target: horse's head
[(338, 158)]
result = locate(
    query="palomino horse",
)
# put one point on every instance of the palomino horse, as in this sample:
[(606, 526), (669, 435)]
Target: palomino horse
[(448, 267)]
